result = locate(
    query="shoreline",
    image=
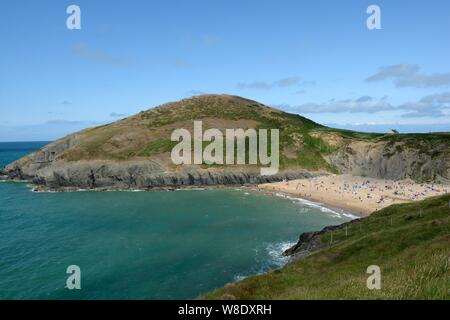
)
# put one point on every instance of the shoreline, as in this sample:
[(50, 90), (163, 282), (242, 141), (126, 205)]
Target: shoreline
[(272, 189), (359, 195), (292, 196), (352, 210), (254, 187), (251, 187), (43, 189), (352, 196)]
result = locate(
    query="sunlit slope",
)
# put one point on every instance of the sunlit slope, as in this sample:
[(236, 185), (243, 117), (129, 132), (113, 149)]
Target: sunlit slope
[(409, 242)]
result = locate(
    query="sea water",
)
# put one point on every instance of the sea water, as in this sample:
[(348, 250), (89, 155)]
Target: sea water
[(142, 245)]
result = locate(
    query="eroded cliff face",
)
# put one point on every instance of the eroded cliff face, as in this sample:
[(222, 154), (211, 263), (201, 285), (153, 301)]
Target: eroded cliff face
[(139, 175), (27, 168), (47, 168), (419, 160)]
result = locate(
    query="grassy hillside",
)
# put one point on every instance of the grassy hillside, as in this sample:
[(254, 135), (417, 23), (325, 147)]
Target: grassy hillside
[(148, 133), (409, 242), (303, 142)]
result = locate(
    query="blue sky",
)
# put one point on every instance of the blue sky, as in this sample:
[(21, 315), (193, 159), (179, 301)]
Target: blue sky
[(316, 58)]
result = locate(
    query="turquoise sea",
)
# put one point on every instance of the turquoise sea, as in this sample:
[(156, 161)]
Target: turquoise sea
[(142, 245)]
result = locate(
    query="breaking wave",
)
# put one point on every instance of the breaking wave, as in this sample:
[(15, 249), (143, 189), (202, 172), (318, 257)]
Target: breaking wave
[(338, 213)]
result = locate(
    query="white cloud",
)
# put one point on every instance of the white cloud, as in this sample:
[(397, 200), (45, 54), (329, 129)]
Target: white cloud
[(362, 104), (407, 75), (117, 115), (282, 83), (85, 52), (429, 106), (386, 127), (195, 93)]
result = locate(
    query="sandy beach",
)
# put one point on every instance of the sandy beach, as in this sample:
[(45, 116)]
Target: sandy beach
[(359, 194)]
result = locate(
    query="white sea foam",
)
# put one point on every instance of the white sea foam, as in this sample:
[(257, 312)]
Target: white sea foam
[(272, 258), (318, 205), (351, 216), (275, 252), (35, 190), (190, 189), (239, 277)]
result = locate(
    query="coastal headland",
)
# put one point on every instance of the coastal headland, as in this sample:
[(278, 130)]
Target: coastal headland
[(135, 152)]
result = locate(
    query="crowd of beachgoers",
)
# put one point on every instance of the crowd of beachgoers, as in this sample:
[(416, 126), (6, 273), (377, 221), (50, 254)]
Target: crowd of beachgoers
[(360, 194)]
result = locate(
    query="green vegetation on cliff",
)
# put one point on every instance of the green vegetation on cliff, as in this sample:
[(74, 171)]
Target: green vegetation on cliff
[(409, 242)]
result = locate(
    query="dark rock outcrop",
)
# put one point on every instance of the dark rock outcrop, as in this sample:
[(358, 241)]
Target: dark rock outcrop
[(144, 174), (310, 242)]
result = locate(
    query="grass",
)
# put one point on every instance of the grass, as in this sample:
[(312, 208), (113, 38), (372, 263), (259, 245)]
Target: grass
[(369, 136), (309, 153), (155, 147), (409, 242)]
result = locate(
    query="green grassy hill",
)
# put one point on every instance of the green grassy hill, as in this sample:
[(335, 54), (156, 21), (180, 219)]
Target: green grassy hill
[(409, 242), (304, 144), (147, 134)]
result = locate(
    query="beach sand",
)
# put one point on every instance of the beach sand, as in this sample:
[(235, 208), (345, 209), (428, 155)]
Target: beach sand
[(359, 194)]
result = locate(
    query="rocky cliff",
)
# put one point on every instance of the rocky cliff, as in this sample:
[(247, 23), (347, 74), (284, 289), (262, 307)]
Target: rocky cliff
[(145, 174), (417, 158), (310, 242)]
